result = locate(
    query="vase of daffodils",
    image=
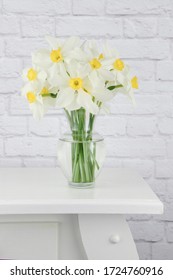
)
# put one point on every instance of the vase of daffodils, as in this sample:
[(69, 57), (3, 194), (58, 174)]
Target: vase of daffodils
[(81, 79), (81, 152)]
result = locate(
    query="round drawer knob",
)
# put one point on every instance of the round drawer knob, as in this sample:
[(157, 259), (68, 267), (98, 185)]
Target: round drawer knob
[(114, 238)]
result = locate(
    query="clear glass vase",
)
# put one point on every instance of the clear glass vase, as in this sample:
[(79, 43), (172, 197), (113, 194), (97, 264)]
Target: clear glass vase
[(81, 152), (81, 158)]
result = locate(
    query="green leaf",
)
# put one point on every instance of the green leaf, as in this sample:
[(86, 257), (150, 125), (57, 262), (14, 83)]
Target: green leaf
[(45, 95), (53, 95), (114, 87)]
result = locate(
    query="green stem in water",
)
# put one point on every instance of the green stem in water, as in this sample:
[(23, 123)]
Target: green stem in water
[(83, 149)]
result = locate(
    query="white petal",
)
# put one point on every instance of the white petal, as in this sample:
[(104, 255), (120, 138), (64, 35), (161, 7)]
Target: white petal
[(57, 80), (55, 68), (53, 90), (92, 45), (37, 110), (70, 44), (84, 70), (42, 76), (107, 75), (78, 54), (48, 102), (26, 88), (37, 87), (105, 109), (120, 78), (72, 69), (63, 70), (31, 86), (93, 77), (85, 101), (107, 63), (65, 97), (54, 77), (24, 74), (132, 98), (103, 95), (42, 59), (87, 84), (53, 42), (74, 105)]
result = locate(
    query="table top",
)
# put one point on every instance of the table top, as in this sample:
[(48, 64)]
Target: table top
[(46, 191)]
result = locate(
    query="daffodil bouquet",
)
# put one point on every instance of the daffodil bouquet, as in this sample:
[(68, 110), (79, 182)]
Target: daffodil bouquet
[(80, 78)]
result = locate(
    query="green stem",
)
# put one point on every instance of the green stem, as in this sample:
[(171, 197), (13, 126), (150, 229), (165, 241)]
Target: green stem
[(83, 149)]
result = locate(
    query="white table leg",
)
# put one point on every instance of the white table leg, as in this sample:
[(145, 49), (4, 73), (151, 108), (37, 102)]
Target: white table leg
[(106, 236)]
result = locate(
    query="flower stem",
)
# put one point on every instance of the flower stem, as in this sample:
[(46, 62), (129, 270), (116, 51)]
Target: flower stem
[(83, 149)]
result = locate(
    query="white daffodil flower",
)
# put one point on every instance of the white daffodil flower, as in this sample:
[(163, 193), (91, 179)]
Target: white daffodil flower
[(129, 87), (58, 53), (99, 89), (75, 90), (116, 65), (31, 91), (94, 58), (49, 94), (119, 70), (40, 97), (33, 74), (55, 78)]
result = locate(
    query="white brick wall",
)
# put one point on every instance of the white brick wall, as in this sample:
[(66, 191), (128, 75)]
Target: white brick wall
[(135, 7), (37, 26), (44, 7), (140, 137), (140, 27), (86, 26)]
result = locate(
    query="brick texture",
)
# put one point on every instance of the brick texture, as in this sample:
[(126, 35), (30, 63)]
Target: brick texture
[(37, 26), (1, 47), (50, 7), (9, 25), (85, 7), (140, 27), (88, 26), (131, 7), (138, 137)]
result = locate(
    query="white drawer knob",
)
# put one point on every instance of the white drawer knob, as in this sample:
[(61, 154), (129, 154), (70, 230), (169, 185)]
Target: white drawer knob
[(114, 238)]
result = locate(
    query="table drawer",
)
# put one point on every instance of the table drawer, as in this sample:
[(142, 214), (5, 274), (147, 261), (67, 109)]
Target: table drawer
[(29, 240)]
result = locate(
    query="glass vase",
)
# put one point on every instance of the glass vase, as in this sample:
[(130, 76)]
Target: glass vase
[(81, 160), (81, 152)]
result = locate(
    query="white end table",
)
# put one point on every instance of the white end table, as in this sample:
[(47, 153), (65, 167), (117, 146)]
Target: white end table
[(41, 217)]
